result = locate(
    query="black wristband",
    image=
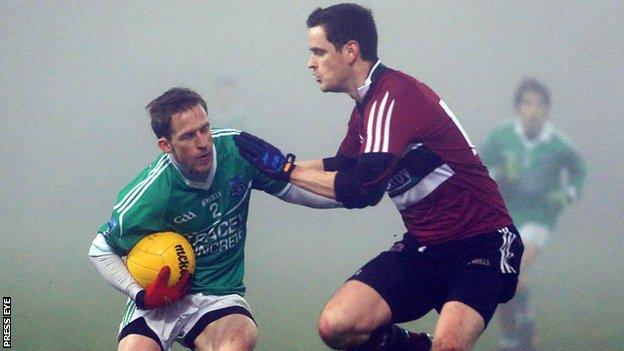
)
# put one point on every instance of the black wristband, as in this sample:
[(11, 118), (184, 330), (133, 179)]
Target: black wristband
[(330, 164), (289, 166)]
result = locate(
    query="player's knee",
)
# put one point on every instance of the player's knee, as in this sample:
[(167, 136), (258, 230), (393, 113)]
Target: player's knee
[(241, 337), (449, 343), (332, 329), (137, 342), (245, 338)]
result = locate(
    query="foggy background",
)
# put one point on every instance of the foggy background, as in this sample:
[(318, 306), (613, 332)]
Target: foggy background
[(75, 77)]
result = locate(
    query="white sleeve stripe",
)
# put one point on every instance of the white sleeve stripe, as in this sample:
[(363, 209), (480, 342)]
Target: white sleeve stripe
[(137, 197), (380, 117), (452, 116), (386, 139), (369, 128), (128, 197), (122, 205)]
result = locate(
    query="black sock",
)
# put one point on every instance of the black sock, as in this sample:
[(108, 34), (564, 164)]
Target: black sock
[(387, 338)]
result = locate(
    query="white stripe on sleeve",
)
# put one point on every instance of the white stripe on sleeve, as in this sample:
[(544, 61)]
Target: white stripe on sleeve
[(137, 188), (369, 128), (378, 126), (379, 122), (386, 139), (136, 198)]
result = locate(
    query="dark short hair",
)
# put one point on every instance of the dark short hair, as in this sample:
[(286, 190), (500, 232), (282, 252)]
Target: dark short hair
[(531, 84), (345, 22), (174, 100)]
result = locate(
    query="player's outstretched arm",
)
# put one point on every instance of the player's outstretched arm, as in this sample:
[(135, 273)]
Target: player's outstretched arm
[(299, 196), (317, 181), (265, 157), (273, 163), (358, 186), (311, 164)]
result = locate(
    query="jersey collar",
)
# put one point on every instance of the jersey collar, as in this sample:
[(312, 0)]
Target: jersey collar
[(373, 75), (547, 132), (192, 181)]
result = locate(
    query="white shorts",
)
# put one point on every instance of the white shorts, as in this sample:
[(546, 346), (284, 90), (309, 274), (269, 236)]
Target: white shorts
[(177, 321), (535, 234)]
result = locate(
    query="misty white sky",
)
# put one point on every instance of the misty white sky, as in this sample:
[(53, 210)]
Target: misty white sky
[(75, 77)]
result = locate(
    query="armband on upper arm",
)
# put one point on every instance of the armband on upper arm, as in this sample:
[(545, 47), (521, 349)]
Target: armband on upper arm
[(338, 163), (364, 184)]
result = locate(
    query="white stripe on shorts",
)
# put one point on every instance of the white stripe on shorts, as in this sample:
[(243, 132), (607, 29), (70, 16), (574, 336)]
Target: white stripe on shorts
[(508, 238)]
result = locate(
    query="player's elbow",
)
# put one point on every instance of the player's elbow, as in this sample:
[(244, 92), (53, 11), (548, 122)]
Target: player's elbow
[(364, 184), (361, 202), (356, 195), (372, 195), (99, 247)]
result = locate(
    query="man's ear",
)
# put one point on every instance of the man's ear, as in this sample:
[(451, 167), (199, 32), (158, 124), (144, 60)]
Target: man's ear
[(164, 145), (351, 51)]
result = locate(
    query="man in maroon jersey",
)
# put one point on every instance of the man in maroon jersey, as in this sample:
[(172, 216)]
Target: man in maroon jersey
[(461, 253)]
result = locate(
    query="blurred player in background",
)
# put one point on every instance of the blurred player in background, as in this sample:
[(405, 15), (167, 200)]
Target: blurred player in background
[(200, 187), (226, 102), (461, 253), (539, 175)]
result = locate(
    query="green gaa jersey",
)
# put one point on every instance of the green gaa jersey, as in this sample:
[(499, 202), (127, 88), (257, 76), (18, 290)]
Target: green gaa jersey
[(537, 178), (211, 215)]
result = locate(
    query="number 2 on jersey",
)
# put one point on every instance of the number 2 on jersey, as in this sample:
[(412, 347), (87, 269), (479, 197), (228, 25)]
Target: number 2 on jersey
[(214, 207)]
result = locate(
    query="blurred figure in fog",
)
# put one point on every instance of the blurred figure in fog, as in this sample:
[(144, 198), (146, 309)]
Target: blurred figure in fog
[(539, 174), (227, 102)]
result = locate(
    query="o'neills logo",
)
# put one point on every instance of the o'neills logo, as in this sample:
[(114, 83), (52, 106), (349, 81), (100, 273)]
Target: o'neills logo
[(183, 261)]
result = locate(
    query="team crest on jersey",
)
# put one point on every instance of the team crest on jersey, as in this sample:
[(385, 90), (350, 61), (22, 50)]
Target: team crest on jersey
[(237, 186), (112, 223)]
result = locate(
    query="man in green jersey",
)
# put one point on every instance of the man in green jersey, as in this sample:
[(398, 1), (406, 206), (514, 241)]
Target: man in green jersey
[(199, 187), (539, 174)]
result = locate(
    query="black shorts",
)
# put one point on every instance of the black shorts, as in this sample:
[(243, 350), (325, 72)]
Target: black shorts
[(480, 271)]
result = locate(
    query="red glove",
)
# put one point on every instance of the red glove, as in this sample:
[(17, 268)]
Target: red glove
[(158, 294)]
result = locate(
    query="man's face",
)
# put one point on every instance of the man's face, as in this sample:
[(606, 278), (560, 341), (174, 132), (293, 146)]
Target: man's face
[(191, 139), (532, 112), (329, 66)]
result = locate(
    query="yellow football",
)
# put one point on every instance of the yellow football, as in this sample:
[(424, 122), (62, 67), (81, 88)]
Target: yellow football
[(157, 250)]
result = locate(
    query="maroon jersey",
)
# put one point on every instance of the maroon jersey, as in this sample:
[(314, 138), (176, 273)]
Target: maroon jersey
[(440, 186)]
